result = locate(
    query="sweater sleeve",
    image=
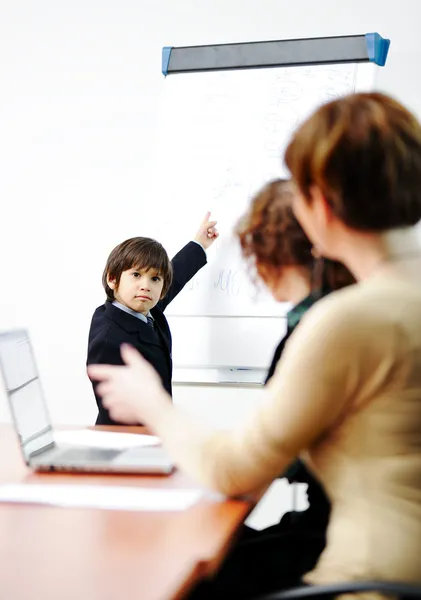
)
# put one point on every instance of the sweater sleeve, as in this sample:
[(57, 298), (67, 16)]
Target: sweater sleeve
[(330, 363)]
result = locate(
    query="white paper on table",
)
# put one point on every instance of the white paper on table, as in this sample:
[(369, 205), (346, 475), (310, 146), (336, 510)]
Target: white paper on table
[(104, 439), (100, 496)]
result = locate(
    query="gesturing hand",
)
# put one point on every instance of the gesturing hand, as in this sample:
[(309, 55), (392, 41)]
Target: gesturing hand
[(207, 232), (132, 393)]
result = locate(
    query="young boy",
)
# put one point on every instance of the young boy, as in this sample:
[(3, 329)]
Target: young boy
[(140, 281)]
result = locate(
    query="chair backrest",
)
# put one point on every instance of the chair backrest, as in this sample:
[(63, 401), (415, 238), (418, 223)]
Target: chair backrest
[(389, 588)]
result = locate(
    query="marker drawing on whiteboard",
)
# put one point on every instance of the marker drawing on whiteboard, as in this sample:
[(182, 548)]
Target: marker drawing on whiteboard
[(228, 282)]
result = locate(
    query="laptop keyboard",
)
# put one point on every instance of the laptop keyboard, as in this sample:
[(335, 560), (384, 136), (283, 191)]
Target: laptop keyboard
[(86, 455)]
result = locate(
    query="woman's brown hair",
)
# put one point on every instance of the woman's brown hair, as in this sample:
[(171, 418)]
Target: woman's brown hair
[(363, 152), (271, 238), (139, 253)]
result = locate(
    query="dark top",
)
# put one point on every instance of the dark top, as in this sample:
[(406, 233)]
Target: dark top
[(111, 327), (293, 318), (316, 517)]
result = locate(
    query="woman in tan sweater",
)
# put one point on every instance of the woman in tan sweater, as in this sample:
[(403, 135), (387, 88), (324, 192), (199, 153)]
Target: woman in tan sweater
[(346, 396)]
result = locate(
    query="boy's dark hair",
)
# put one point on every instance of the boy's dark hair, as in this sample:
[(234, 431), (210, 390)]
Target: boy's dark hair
[(139, 253), (363, 152), (271, 237)]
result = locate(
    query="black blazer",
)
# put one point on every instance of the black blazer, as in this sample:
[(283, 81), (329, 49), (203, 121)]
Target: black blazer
[(111, 327)]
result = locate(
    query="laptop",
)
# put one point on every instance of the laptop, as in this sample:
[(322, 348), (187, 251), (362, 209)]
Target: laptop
[(36, 434)]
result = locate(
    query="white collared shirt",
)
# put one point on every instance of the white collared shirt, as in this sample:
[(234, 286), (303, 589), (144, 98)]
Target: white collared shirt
[(132, 312)]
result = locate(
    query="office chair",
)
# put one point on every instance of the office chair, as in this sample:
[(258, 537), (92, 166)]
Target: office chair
[(402, 591)]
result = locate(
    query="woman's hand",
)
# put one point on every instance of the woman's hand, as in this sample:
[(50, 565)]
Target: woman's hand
[(132, 393)]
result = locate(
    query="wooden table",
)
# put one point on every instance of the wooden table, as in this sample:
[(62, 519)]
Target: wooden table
[(50, 553)]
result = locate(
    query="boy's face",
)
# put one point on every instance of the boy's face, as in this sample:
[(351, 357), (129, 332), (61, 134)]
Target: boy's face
[(139, 289)]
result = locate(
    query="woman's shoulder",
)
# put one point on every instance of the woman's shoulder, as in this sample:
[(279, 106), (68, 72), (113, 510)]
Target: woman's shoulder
[(351, 302), (378, 306)]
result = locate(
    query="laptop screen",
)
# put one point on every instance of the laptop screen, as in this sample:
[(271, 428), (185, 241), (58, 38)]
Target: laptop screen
[(24, 392)]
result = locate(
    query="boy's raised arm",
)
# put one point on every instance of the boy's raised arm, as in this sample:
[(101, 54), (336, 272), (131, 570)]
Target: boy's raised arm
[(190, 259)]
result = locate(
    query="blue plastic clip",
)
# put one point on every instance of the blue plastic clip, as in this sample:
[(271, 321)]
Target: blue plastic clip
[(377, 48), (166, 55)]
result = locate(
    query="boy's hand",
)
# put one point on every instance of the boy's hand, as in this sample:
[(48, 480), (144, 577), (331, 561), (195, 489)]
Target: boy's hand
[(207, 232)]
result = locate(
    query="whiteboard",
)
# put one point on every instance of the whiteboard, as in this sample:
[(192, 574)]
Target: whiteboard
[(227, 340), (222, 136)]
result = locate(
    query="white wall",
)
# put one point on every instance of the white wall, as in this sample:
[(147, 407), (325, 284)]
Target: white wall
[(80, 86)]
